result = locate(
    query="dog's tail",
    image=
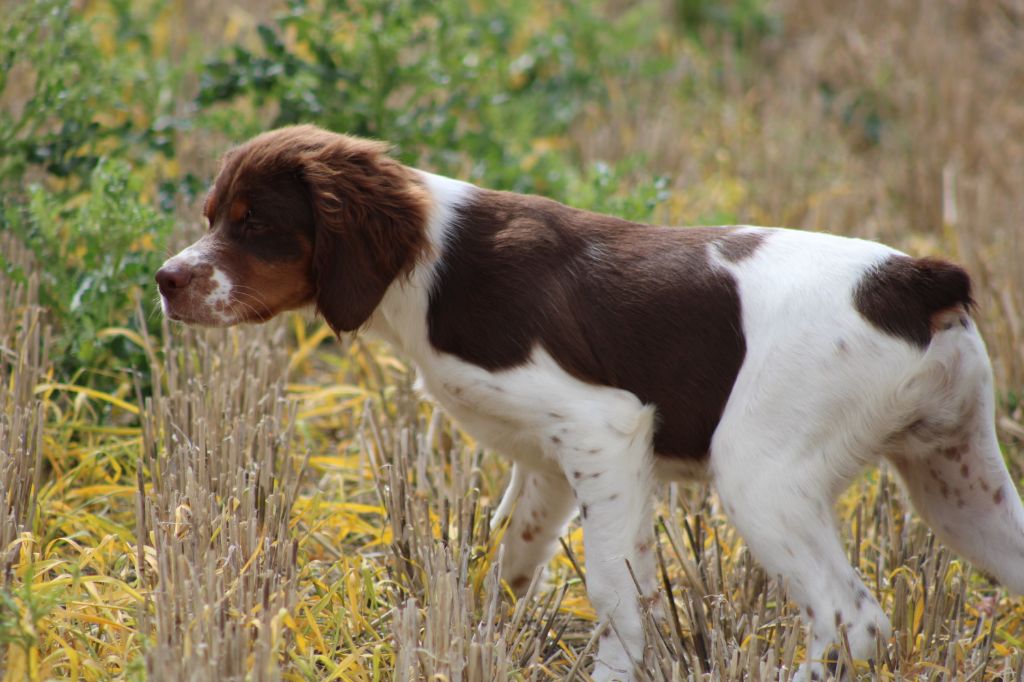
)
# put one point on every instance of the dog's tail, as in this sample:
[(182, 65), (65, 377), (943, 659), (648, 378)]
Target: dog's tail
[(911, 298)]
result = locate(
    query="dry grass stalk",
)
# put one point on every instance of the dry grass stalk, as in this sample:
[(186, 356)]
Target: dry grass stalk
[(23, 362), (214, 508), (452, 617)]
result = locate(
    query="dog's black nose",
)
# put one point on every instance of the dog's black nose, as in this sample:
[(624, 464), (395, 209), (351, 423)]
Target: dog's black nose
[(172, 279)]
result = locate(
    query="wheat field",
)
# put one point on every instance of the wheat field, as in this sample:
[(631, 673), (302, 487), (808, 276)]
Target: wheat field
[(277, 504)]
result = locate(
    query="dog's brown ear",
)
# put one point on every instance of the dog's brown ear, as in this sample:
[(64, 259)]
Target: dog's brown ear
[(370, 215)]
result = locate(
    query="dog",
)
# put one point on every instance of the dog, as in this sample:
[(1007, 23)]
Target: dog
[(602, 355)]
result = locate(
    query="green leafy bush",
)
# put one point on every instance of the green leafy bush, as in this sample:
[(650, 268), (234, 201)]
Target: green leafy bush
[(68, 101), (472, 90), (99, 254), (84, 117)]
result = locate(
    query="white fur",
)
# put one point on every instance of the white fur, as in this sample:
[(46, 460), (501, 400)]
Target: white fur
[(218, 303)]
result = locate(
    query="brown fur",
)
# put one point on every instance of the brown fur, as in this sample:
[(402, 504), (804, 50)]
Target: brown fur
[(910, 297), (615, 303)]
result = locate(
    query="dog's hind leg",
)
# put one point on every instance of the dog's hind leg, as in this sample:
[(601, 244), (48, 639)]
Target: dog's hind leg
[(782, 504), (951, 467), (965, 494), (538, 503)]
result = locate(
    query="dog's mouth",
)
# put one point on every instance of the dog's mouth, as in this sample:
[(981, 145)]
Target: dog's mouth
[(193, 311), (225, 313), (192, 316)]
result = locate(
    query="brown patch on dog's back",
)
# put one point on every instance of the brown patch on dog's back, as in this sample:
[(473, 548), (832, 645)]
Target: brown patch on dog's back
[(903, 296), (615, 303), (738, 246)]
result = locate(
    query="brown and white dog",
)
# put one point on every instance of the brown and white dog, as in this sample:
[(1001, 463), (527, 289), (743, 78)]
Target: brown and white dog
[(600, 355)]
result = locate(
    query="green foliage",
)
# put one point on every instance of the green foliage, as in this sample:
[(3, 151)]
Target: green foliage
[(616, 190), (84, 112), (740, 21), (22, 608), (68, 101), (467, 90), (99, 256)]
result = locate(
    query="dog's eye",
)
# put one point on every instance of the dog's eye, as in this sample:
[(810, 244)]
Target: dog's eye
[(251, 224)]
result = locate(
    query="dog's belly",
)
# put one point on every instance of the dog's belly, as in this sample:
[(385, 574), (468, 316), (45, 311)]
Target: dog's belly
[(515, 412)]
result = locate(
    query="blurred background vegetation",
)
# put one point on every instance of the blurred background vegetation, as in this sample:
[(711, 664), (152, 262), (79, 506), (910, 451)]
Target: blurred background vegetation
[(893, 120)]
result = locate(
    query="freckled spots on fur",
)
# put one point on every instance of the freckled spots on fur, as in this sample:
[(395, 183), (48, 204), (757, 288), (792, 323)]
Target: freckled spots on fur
[(841, 348), (519, 584), (643, 547), (583, 510), (984, 484), (998, 497), (555, 415), (607, 632), (789, 550), (556, 440), (577, 475), (965, 470), (872, 630), (839, 618), (810, 612), (613, 496), (832, 660), (593, 451), (954, 453)]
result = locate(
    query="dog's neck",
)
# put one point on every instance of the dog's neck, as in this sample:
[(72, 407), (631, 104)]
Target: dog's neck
[(400, 319)]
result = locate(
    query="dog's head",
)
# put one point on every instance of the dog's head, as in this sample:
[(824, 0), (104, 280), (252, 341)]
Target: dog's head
[(298, 216)]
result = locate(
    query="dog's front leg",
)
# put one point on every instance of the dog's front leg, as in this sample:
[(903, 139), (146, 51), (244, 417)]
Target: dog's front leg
[(607, 458)]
